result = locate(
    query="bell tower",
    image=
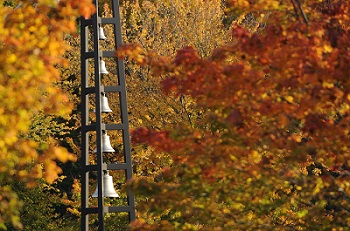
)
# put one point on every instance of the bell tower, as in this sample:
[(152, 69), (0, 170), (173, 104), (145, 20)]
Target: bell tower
[(112, 152)]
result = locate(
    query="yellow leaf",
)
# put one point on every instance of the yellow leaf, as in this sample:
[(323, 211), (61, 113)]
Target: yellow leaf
[(289, 99), (327, 49)]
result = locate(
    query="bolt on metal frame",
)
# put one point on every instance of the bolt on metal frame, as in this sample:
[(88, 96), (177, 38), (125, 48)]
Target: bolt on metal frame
[(99, 127)]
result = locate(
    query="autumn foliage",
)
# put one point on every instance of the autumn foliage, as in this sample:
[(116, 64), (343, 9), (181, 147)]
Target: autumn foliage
[(245, 108), (270, 147), (31, 49)]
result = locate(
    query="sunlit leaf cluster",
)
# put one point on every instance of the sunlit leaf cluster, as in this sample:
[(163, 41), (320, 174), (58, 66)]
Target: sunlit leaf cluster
[(31, 48)]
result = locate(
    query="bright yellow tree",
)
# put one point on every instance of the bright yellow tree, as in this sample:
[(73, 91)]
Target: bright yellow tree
[(162, 26), (31, 47)]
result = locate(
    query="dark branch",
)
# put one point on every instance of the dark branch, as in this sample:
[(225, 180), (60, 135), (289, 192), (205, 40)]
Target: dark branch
[(306, 20)]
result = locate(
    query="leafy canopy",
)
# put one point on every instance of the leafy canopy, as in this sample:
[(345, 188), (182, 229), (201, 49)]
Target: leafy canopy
[(31, 48), (271, 149)]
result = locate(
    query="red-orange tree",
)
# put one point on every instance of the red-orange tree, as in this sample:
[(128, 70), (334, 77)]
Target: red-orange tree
[(271, 149)]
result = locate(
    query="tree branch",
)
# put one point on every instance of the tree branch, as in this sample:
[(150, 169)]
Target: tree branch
[(306, 20), (297, 6)]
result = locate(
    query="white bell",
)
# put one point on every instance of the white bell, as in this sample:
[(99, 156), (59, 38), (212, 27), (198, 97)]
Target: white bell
[(103, 69), (108, 187), (104, 104), (106, 144), (101, 34)]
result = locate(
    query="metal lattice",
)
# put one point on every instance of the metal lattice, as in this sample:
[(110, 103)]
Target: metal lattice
[(97, 165)]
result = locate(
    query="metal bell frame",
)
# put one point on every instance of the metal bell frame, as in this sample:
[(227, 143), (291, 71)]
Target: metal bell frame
[(95, 23)]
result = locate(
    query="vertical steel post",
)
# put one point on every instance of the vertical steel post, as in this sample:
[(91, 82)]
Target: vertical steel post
[(84, 121), (98, 126)]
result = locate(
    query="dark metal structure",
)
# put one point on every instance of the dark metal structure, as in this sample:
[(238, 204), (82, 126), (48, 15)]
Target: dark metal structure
[(93, 164)]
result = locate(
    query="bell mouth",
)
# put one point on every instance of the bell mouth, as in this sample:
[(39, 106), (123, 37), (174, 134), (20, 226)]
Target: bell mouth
[(103, 69), (108, 187), (101, 35), (106, 144)]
